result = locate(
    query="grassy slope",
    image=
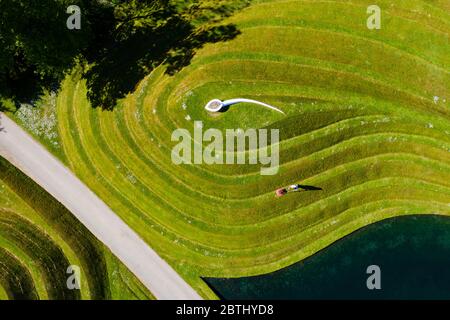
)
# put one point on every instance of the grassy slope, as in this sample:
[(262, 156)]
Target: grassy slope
[(362, 124), (39, 239)]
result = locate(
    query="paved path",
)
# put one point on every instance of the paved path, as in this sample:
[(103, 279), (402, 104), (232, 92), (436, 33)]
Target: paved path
[(35, 161)]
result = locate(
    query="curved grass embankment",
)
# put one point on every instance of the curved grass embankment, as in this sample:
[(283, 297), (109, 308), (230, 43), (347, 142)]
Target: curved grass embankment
[(40, 239), (367, 120)]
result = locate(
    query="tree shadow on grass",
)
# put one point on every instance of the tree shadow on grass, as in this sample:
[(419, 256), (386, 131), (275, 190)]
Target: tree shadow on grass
[(2, 129), (117, 73), (119, 43), (310, 188)]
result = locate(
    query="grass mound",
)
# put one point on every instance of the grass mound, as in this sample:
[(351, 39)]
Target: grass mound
[(367, 121), (40, 239)]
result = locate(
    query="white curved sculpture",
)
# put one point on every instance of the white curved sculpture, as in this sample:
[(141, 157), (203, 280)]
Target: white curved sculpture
[(217, 105)]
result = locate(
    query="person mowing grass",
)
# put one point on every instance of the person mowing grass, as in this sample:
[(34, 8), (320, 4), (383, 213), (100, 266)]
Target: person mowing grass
[(283, 191)]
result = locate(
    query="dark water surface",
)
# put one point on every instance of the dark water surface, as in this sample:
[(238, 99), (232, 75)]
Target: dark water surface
[(413, 253)]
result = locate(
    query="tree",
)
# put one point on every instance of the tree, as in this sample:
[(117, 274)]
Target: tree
[(119, 43), (149, 33)]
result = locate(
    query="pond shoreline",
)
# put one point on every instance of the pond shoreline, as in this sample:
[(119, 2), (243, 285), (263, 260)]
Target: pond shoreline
[(413, 253)]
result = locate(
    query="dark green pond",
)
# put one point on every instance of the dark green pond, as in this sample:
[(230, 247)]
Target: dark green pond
[(413, 253)]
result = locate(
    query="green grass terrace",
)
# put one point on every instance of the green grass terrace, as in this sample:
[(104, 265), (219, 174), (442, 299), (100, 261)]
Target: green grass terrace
[(367, 120)]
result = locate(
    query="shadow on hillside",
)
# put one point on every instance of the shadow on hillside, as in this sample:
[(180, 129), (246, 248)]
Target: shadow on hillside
[(310, 188), (124, 63), (120, 42)]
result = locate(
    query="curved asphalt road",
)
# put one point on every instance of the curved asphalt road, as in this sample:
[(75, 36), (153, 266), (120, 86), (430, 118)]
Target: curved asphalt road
[(35, 161)]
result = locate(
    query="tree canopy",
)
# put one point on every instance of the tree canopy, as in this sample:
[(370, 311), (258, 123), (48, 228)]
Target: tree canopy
[(36, 46), (120, 41)]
